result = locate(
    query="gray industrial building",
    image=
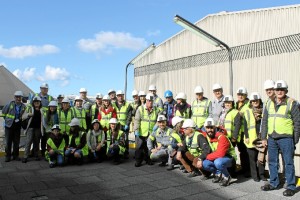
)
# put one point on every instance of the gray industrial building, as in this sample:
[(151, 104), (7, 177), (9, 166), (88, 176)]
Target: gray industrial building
[(265, 44)]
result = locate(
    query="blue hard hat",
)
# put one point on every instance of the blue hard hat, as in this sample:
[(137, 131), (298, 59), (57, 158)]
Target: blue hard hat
[(168, 93)]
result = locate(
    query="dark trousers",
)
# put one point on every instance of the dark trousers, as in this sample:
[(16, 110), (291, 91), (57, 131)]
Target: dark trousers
[(257, 170), (12, 138), (44, 139), (141, 149), (244, 157)]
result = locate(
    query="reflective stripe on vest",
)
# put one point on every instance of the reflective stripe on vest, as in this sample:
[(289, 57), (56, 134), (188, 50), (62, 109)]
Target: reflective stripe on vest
[(200, 111), (280, 121), (176, 136), (214, 146), (85, 149), (184, 115), (122, 149), (81, 115), (250, 119), (105, 119), (148, 120), (193, 147), (122, 113), (229, 122), (65, 120), (157, 135)]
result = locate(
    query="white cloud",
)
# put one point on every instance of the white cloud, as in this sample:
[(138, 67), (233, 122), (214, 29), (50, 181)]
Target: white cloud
[(153, 33), (26, 75), (27, 51), (107, 41)]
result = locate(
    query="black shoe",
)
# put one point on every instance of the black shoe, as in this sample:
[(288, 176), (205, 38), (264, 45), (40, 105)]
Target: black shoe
[(288, 193), (225, 181), (193, 174), (7, 159), (263, 179), (268, 187), (162, 164), (51, 165), (170, 167), (126, 155), (184, 171), (217, 178), (181, 167), (149, 162), (138, 164), (24, 160), (16, 158), (256, 179)]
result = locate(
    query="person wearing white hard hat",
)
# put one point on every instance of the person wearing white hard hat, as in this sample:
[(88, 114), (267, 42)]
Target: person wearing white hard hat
[(112, 95), (177, 138), (242, 104), (115, 141), (168, 106), (80, 113), (157, 100), (96, 142), (95, 108), (217, 103), (106, 112), (59, 98), (159, 142), (76, 146), (182, 108), (51, 118), (269, 88), (86, 102), (280, 131), (195, 147), (201, 107), (55, 147), (222, 156), (65, 115), (135, 104), (45, 97), (124, 113), (35, 128), (12, 114), (142, 97), (144, 122), (252, 121)]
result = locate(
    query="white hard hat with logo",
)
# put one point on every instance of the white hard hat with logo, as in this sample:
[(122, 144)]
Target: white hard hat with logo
[(44, 85), (254, 96), (269, 84), (99, 96), (106, 97), (217, 86), (161, 118), (150, 97), (110, 91), (142, 93), (152, 87), (95, 121), (65, 100), (134, 93), (209, 122), (280, 84), (181, 95), (198, 89), (75, 122), (228, 98), (176, 120), (19, 93), (188, 123), (119, 92), (113, 121), (53, 103), (55, 126), (36, 98), (242, 90), (78, 98), (82, 90)]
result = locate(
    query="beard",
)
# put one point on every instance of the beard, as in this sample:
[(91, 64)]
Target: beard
[(211, 134)]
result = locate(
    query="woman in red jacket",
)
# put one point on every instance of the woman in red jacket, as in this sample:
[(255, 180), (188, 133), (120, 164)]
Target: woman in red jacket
[(106, 113)]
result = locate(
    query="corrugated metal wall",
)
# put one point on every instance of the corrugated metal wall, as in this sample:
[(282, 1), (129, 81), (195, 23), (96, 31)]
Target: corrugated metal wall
[(234, 29)]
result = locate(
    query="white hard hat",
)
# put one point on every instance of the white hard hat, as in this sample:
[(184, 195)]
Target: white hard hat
[(241, 90), (188, 123), (106, 97), (176, 120), (113, 121), (209, 122), (254, 96), (18, 93), (120, 92), (44, 85), (78, 98), (53, 103), (228, 98), (110, 91), (82, 90), (95, 121), (142, 93), (152, 87), (56, 126), (75, 122), (150, 97), (36, 98), (134, 92), (269, 84), (198, 89), (161, 118), (99, 96), (65, 100), (181, 95), (280, 84), (217, 86)]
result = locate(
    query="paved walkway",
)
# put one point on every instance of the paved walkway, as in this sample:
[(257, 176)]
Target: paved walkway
[(35, 180)]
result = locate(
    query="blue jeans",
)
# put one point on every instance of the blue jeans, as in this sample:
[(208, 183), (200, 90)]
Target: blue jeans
[(286, 145), (218, 166), (68, 152), (58, 157)]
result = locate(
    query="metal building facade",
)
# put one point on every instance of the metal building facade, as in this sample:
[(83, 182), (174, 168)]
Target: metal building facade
[(265, 45)]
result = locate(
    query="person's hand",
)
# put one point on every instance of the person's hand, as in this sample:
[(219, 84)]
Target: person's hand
[(51, 151), (73, 150), (264, 142), (179, 144), (153, 150), (199, 164), (247, 141)]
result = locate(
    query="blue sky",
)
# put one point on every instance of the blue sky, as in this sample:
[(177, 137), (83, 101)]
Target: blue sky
[(74, 44)]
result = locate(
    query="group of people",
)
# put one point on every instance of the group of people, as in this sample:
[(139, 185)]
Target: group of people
[(200, 138)]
